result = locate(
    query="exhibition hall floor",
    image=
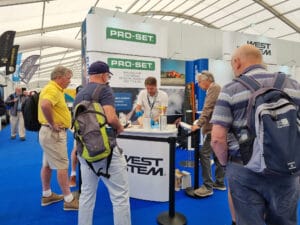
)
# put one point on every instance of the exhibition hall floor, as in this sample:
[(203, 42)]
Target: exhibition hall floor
[(20, 190)]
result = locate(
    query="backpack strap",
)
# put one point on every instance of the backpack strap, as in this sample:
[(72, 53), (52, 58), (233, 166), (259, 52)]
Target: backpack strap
[(248, 82), (99, 172), (279, 80)]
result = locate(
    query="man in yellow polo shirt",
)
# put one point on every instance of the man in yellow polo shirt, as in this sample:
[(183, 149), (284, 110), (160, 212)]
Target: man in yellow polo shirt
[(55, 117)]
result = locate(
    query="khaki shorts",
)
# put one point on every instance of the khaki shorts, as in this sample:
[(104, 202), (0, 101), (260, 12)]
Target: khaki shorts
[(54, 145)]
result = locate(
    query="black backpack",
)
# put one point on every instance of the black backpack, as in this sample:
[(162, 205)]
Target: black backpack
[(2, 108), (270, 142), (30, 112)]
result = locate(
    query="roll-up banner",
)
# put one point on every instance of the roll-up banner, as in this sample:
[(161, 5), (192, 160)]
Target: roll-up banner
[(6, 43), (128, 71), (120, 36), (27, 65), (12, 60), (16, 74), (30, 73)]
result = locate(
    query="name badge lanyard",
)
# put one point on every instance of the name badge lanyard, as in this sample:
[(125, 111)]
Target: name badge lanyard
[(151, 105)]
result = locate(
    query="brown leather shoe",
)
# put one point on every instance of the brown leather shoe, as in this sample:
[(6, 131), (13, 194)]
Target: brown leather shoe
[(51, 199), (73, 205)]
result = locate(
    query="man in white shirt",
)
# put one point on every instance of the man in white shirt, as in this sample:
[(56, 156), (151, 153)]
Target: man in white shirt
[(151, 102)]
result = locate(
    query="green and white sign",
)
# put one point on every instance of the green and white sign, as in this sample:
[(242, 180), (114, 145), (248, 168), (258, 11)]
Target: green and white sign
[(123, 63), (129, 35), (128, 71), (125, 36)]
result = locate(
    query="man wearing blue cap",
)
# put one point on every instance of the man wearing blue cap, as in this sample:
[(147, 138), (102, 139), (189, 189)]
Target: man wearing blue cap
[(117, 183)]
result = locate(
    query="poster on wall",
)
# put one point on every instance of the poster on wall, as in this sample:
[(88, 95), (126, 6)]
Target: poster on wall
[(172, 72), (128, 71), (125, 101)]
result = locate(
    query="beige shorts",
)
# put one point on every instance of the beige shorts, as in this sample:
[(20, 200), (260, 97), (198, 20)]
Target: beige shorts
[(54, 145)]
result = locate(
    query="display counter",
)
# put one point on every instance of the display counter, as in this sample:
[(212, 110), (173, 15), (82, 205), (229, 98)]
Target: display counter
[(147, 155)]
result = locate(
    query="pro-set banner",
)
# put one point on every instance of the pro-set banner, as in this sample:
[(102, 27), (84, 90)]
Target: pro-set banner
[(125, 36), (128, 71), (231, 41)]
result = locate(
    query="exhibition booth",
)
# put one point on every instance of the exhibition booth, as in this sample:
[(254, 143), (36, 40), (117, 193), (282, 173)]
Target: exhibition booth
[(173, 53)]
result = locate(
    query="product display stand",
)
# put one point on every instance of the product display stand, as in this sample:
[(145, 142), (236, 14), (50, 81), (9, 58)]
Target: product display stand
[(171, 217), (190, 191)]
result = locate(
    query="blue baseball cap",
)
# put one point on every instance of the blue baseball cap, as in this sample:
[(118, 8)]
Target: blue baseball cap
[(98, 67)]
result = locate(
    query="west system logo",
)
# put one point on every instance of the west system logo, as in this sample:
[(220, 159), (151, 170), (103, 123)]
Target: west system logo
[(145, 165), (265, 48)]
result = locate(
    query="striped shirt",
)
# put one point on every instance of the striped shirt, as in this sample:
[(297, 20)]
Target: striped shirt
[(231, 107)]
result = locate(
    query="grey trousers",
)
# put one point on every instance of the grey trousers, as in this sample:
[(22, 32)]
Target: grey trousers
[(205, 156)]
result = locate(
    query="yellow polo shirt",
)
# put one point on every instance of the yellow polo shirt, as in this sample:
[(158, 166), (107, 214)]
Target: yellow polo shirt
[(61, 114)]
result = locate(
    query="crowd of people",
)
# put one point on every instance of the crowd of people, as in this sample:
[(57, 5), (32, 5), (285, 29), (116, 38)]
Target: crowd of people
[(253, 198)]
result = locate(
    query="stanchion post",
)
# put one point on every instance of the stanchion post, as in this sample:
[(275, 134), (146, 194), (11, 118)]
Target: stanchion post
[(196, 137), (171, 217), (196, 140), (172, 143)]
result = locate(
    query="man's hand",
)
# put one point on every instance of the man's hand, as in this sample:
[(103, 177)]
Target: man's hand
[(139, 113), (194, 128)]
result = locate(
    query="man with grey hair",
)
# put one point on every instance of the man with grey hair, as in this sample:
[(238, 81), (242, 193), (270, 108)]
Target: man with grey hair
[(206, 82), (15, 102), (55, 118)]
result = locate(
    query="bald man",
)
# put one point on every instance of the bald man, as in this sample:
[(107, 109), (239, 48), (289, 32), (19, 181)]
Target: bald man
[(258, 199)]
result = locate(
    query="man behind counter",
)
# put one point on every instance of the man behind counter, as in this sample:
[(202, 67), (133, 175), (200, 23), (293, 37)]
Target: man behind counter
[(151, 102)]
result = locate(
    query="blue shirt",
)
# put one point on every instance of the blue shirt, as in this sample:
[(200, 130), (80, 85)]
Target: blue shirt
[(106, 94)]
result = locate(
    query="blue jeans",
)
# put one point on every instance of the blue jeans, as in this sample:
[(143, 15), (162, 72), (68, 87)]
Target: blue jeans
[(117, 186), (260, 199)]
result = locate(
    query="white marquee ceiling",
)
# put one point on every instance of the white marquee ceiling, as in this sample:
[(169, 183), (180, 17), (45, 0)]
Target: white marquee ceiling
[(62, 18)]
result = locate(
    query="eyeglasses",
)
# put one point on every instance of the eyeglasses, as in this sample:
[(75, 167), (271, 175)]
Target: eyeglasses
[(108, 76)]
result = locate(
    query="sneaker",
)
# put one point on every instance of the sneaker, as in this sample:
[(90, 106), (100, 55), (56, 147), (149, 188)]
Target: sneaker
[(73, 205), (51, 199), (13, 137), (22, 138), (218, 186), (72, 182), (203, 192)]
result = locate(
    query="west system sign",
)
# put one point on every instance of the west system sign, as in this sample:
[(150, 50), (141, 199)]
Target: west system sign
[(130, 35), (145, 165), (264, 47)]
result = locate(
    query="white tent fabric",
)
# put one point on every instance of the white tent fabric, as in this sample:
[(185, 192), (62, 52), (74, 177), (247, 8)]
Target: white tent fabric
[(46, 19)]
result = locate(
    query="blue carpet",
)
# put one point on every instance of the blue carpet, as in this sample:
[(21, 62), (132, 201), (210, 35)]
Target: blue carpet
[(20, 189)]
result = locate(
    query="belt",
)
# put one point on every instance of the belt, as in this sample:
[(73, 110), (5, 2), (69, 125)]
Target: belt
[(235, 160), (47, 125)]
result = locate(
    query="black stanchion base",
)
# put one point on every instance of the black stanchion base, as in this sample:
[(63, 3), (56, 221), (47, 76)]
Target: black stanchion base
[(165, 219), (190, 192), (187, 163)]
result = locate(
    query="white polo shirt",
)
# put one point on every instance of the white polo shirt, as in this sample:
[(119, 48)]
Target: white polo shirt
[(151, 105)]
